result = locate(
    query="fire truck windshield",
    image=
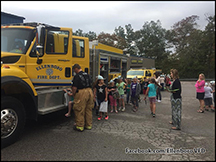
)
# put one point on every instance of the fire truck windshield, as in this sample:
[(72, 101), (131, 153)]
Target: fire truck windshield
[(132, 72), (16, 40)]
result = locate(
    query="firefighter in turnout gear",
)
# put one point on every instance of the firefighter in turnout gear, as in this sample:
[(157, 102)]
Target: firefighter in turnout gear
[(83, 99)]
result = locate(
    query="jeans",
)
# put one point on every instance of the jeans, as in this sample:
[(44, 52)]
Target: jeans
[(135, 99), (162, 84), (158, 94), (128, 96)]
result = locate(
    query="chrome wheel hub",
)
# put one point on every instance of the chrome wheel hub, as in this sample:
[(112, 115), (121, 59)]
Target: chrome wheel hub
[(9, 120)]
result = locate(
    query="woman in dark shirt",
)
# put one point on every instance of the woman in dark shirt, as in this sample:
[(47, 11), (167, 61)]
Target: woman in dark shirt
[(176, 100)]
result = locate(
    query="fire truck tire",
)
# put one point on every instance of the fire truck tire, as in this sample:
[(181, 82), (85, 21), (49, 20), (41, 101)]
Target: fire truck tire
[(12, 120)]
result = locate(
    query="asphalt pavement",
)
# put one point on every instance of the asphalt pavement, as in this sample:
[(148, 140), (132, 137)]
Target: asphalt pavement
[(125, 136)]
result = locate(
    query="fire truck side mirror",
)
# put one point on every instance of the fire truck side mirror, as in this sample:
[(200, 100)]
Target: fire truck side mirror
[(40, 38), (39, 50)]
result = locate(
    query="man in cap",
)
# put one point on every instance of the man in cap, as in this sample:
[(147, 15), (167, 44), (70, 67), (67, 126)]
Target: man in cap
[(83, 99)]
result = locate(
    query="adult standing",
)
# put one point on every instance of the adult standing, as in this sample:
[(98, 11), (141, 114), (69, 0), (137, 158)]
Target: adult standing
[(176, 100), (83, 99), (200, 92)]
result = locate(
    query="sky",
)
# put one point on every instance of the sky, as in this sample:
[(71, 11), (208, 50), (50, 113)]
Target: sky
[(105, 16)]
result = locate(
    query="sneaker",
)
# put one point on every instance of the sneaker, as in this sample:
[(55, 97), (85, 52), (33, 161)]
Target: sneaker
[(153, 115), (99, 118), (123, 109), (159, 101), (119, 108), (134, 109), (116, 111), (111, 111), (107, 117)]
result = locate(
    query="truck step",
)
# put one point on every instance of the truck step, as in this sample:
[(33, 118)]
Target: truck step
[(47, 110)]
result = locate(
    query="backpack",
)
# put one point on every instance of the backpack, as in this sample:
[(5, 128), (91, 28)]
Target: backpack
[(115, 94)]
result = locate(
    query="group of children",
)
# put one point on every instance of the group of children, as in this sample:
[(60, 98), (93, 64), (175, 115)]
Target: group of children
[(133, 89), (114, 93), (110, 94)]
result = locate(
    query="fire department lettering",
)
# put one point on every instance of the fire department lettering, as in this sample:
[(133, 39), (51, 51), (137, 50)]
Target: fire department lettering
[(48, 77), (48, 66)]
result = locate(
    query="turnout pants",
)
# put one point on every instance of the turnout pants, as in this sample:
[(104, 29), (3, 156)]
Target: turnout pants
[(83, 105)]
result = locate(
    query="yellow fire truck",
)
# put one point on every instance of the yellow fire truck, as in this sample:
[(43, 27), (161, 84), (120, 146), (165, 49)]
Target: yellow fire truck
[(142, 72), (36, 65)]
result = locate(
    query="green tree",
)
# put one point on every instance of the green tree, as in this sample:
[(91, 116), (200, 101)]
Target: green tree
[(107, 39), (112, 40), (91, 35), (186, 38), (208, 42), (151, 42), (194, 49), (79, 32), (120, 32)]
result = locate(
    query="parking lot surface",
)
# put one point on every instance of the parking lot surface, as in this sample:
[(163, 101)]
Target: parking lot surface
[(126, 136)]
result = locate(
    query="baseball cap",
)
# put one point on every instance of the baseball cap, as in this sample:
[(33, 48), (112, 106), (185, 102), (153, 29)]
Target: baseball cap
[(119, 77), (100, 77), (111, 81), (134, 77)]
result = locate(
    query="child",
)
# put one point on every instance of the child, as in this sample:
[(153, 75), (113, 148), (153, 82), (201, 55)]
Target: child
[(140, 91), (157, 79), (128, 87), (113, 101), (70, 104), (212, 85), (135, 91), (152, 92), (145, 84), (208, 97), (120, 85), (100, 95), (96, 104)]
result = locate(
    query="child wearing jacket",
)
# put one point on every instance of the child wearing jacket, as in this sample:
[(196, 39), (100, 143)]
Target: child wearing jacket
[(134, 92)]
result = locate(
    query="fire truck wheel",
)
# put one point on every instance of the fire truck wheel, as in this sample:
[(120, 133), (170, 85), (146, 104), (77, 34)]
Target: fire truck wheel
[(12, 120)]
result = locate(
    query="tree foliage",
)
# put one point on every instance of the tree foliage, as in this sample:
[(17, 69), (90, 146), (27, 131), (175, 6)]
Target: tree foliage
[(184, 47), (193, 49), (91, 35)]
